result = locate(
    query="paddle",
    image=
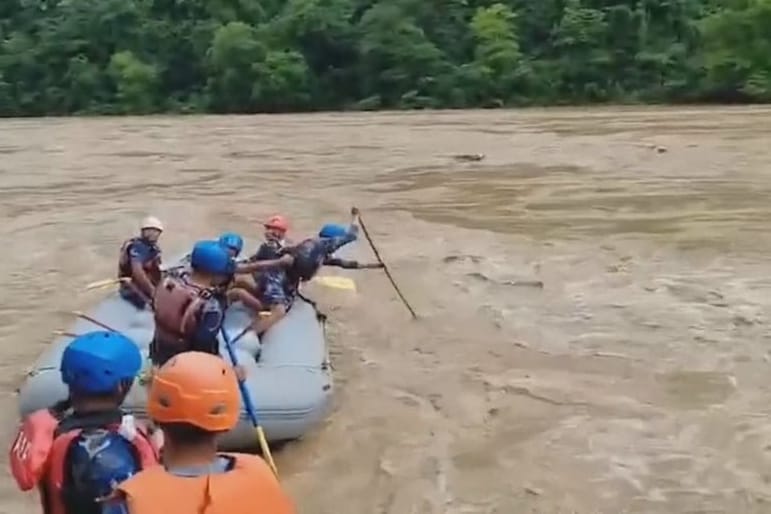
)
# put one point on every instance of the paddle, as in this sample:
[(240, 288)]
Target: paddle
[(327, 281), (250, 406), (65, 334), (336, 282), (104, 283), (94, 321), (355, 211)]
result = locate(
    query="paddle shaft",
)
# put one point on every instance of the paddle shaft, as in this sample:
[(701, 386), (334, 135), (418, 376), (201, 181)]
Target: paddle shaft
[(252, 413), (94, 321), (385, 268)]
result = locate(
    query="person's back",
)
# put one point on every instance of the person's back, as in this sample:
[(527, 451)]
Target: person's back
[(187, 314), (77, 452), (194, 397), (232, 484)]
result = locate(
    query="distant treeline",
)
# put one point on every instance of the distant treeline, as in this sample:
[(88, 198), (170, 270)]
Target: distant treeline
[(245, 56)]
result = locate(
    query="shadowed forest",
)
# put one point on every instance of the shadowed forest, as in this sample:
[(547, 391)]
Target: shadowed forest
[(245, 56)]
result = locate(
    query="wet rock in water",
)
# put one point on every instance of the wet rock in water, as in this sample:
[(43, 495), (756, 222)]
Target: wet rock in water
[(455, 258), (514, 283), (479, 276), (523, 283), (533, 490), (469, 157)]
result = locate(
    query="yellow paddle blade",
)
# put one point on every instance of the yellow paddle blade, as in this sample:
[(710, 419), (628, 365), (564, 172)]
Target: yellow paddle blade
[(336, 282), (103, 283), (266, 449)]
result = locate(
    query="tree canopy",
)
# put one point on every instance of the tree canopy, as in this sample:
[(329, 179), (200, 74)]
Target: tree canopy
[(246, 56)]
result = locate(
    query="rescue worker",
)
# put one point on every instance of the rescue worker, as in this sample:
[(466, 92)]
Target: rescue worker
[(188, 316), (232, 242), (193, 398), (276, 228), (279, 291), (275, 238), (236, 290), (77, 452), (139, 264)]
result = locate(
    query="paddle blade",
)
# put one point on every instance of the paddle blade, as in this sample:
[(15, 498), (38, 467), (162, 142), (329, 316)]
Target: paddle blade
[(266, 450), (104, 283), (344, 283), (101, 283)]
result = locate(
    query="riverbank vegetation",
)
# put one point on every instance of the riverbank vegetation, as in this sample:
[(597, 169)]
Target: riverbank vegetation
[(242, 56)]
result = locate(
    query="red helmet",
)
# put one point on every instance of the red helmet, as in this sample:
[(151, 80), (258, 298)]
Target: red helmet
[(277, 222)]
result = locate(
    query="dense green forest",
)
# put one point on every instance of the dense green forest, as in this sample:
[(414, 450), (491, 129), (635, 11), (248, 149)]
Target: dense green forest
[(144, 56)]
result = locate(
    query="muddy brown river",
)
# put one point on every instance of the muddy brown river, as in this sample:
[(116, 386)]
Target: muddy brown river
[(635, 381)]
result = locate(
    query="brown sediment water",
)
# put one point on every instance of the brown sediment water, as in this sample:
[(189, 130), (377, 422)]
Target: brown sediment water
[(635, 380)]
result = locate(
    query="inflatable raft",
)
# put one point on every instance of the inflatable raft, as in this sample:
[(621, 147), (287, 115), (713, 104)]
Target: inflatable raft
[(288, 372)]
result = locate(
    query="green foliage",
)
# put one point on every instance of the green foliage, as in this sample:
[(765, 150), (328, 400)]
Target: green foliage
[(145, 56)]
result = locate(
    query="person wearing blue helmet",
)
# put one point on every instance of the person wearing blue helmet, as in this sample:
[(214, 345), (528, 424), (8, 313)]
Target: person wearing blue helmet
[(78, 451), (236, 290), (233, 243), (278, 291), (188, 314)]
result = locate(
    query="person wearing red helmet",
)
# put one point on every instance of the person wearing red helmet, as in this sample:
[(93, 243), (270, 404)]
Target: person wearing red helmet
[(266, 257), (275, 231)]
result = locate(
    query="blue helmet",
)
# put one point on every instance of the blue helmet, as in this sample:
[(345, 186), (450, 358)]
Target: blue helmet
[(333, 230), (211, 257), (232, 241), (97, 362)]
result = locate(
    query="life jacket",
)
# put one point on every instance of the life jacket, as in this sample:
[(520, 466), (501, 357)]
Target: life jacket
[(38, 456), (177, 304), (151, 267), (248, 488), (270, 249), (308, 256)]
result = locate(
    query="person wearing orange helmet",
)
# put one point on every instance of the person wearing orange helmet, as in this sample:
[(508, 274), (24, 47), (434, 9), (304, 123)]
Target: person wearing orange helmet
[(258, 268), (275, 231), (193, 398)]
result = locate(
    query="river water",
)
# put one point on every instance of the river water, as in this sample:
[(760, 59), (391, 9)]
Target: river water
[(635, 380)]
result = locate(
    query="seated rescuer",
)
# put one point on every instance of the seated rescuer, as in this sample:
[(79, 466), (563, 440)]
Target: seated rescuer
[(193, 398), (77, 456), (276, 228), (275, 238), (234, 290), (188, 316), (279, 291), (139, 264)]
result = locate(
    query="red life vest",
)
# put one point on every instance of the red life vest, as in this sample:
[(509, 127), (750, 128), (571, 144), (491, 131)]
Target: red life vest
[(177, 304), (151, 267), (37, 457)]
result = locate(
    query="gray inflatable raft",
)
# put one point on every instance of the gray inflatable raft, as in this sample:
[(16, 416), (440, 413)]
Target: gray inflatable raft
[(288, 372)]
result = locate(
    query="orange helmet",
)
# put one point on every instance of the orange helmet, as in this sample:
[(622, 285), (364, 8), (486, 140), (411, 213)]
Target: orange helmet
[(277, 222), (196, 388)]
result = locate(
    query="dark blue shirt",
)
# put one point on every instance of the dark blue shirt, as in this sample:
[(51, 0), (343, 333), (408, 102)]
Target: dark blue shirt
[(142, 251), (210, 319), (97, 461)]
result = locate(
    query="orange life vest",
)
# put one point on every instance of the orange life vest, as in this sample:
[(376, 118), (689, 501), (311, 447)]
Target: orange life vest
[(37, 457), (177, 304), (248, 488), (151, 267)]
